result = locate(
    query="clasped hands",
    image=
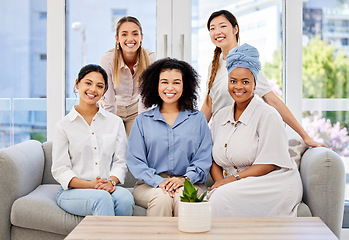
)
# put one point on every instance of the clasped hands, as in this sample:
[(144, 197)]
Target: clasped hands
[(172, 185), (103, 184)]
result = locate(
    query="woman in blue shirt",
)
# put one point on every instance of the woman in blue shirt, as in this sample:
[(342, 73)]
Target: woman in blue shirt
[(170, 142)]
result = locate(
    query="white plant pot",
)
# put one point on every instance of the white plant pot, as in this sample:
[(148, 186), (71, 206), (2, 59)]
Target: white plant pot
[(194, 217)]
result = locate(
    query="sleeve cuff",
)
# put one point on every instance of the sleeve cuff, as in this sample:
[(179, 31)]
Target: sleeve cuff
[(120, 174), (65, 179), (192, 176), (157, 180)]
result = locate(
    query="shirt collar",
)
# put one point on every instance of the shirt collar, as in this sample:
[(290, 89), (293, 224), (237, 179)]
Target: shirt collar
[(182, 116), (123, 65), (73, 114), (245, 116)]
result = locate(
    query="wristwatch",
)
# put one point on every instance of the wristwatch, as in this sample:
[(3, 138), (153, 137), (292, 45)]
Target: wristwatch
[(112, 181)]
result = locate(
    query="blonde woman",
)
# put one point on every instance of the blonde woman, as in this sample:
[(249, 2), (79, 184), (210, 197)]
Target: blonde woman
[(124, 64), (224, 34)]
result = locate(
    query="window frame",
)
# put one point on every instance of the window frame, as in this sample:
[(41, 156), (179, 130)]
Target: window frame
[(292, 21)]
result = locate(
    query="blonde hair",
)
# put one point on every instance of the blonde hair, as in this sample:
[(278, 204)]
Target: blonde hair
[(142, 55)]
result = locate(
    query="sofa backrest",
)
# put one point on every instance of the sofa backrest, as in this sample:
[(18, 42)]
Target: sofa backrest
[(47, 177)]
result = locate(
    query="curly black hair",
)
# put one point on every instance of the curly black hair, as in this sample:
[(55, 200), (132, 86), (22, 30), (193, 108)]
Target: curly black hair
[(150, 83)]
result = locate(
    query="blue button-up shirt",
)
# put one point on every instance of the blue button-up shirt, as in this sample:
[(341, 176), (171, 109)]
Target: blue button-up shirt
[(154, 147)]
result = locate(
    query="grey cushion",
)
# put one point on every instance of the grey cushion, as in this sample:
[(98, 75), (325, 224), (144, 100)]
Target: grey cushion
[(47, 177), (21, 168), (323, 177), (18, 233), (38, 210)]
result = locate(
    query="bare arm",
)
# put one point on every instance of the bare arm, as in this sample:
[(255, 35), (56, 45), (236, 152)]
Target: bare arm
[(207, 110), (98, 183), (289, 119), (80, 183), (255, 170), (216, 172)]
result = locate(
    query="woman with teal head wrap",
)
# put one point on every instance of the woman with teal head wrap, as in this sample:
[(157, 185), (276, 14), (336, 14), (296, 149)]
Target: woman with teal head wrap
[(224, 32), (252, 169)]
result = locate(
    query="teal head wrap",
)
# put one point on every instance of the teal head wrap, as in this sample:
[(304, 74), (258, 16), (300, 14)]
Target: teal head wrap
[(245, 56)]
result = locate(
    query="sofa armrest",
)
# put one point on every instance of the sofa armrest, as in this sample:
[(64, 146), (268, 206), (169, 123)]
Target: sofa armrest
[(323, 177), (21, 170)]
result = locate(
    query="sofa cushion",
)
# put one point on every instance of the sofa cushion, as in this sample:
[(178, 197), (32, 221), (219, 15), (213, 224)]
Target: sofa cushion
[(38, 210), (296, 149)]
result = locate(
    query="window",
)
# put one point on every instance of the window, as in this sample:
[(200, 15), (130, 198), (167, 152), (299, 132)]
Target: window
[(325, 75), (116, 15), (90, 32), (23, 49), (255, 19)]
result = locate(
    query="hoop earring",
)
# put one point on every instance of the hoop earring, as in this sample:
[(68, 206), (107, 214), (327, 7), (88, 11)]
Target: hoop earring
[(118, 46), (76, 90)]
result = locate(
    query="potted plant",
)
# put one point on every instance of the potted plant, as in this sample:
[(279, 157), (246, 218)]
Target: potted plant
[(194, 214)]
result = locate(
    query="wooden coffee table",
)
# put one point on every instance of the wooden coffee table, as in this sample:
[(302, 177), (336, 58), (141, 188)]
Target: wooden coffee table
[(99, 227)]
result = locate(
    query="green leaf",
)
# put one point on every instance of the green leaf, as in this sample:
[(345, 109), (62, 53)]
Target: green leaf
[(190, 193), (203, 196)]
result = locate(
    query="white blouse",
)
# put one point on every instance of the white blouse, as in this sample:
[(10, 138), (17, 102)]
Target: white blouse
[(87, 151)]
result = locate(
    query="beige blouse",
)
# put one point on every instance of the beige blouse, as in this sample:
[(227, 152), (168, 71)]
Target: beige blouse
[(127, 92), (258, 137)]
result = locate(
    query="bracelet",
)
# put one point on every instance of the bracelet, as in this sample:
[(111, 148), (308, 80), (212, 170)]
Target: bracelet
[(237, 176), (112, 181)]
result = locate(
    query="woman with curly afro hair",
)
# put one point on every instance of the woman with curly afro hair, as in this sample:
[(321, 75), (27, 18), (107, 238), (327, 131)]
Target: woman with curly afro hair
[(171, 142)]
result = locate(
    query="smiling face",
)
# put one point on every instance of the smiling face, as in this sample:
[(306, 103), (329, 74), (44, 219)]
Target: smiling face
[(170, 86), (91, 88), (241, 85), (129, 36), (222, 33)]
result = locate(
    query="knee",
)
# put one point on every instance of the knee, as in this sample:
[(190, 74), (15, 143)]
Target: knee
[(126, 198), (103, 197), (124, 202), (160, 199)]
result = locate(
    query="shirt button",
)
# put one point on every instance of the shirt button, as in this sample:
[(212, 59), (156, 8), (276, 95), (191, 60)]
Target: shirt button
[(94, 120), (95, 148), (96, 163), (93, 133), (225, 145), (171, 158)]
